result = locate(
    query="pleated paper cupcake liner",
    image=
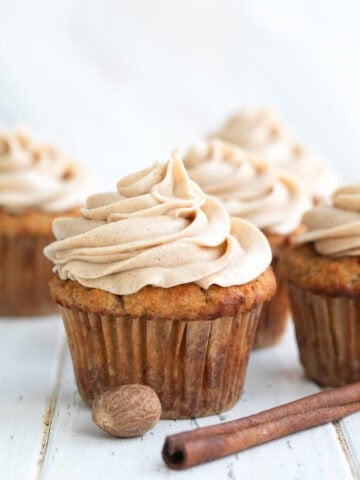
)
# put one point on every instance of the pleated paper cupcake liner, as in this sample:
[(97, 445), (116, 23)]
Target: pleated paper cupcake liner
[(196, 367), (274, 315), (328, 335), (24, 276)]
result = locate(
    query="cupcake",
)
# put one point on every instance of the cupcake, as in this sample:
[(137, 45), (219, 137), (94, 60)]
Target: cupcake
[(323, 276), (252, 189), (259, 131), (37, 184), (157, 286)]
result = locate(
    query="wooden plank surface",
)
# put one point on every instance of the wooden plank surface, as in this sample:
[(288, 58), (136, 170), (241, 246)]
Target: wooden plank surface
[(29, 357), (348, 431)]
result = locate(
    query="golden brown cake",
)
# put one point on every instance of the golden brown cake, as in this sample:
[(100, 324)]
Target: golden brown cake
[(24, 272), (189, 344), (157, 286), (275, 313), (274, 201), (323, 276), (37, 184)]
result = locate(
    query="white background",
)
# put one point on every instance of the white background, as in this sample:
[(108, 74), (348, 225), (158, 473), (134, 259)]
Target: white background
[(118, 84)]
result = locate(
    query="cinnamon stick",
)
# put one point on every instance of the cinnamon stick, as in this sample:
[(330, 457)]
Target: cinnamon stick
[(187, 449)]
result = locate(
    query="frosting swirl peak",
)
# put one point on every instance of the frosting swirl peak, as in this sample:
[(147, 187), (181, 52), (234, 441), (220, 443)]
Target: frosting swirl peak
[(160, 229), (248, 187), (260, 131), (335, 230), (35, 175)]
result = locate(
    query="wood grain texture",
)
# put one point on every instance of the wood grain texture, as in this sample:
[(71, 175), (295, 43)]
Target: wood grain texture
[(29, 359), (348, 435)]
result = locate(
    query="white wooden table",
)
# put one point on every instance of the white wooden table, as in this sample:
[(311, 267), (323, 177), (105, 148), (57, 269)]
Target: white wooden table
[(46, 431)]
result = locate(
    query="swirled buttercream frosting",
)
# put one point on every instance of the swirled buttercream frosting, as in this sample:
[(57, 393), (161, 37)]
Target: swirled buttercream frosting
[(335, 230), (260, 131), (247, 186), (160, 229), (37, 176)]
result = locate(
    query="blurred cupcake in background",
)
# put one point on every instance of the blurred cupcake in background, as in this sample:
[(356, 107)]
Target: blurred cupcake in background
[(252, 189), (158, 286), (37, 184), (260, 131), (323, 275)]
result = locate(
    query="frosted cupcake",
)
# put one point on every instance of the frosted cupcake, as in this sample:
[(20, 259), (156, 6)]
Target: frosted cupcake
[(250, 188), (259, 131), (157, 286), (323, 275), (37, 184)]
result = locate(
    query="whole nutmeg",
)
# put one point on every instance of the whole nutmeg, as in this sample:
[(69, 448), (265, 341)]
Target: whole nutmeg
[(127, 411)]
